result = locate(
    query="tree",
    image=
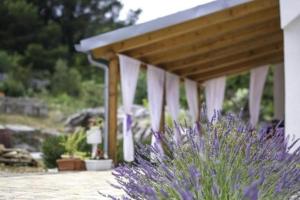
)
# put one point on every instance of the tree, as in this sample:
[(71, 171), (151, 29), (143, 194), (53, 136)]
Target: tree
[(65, 80), (78, 19), (19, 25), (44, 27)]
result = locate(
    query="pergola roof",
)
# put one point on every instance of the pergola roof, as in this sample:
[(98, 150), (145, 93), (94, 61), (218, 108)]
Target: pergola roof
[(211, 40)]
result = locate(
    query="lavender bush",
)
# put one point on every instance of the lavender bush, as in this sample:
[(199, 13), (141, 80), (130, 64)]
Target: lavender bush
[(222, 159)]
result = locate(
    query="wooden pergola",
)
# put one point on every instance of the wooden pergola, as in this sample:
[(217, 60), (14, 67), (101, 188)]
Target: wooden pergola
[(229, 40)]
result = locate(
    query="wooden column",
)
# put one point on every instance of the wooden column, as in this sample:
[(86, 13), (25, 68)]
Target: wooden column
[(201, 100), (113, 108), (162, 116)]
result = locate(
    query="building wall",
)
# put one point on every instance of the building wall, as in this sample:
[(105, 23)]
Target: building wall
[(292, 77)]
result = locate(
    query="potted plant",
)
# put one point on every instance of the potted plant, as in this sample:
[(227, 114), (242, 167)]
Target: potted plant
[(94, 137), (72, 161)]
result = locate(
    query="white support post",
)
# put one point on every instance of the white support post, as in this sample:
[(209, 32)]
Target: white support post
[(290, 22)]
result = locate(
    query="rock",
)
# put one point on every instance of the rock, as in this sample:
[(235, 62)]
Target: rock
[(81, 118), (24, 137), (141, 123), (16, 157), (2, 148), (50, 132), (17, 128), (12, 154), (28, 147)]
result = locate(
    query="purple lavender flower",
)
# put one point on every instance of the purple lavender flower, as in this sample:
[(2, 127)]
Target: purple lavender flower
[(251, 192), (228, 160)]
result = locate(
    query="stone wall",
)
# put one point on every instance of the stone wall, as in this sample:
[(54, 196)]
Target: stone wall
[(23, 106)]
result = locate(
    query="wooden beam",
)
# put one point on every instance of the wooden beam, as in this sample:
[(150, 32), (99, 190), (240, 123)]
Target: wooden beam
[(238, 68), (178, 29), (188, 51), (113, 108), (208, 33), (200, 58), (243, 56)]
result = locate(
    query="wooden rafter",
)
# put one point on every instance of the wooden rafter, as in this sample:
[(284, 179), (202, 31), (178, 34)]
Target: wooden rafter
[(206, 33), (270, 44), (187, 51), (185, 27), (222, 52), (236, 61)]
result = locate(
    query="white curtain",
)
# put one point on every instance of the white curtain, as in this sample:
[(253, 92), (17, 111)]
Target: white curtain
[(214, 95), (278, 91), (172, 99), (257, 83), (192, 98), (155, 86), (129, 70)]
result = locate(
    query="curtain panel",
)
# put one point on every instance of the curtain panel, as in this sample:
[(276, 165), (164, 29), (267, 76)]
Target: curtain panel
[(129, 71), (155, 87), (257, 83), (172, 99), (191, 90), (214, 95)]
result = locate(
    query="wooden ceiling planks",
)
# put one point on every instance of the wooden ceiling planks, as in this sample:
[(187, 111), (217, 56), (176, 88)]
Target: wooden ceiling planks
[(206, 46), (185, 27), (245, 50), (272, 58), (223, 43), (256, 57), (268, 28), (204, 33), (234, 59)]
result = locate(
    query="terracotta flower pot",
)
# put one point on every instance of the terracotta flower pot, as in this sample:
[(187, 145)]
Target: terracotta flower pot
[(70, 164)]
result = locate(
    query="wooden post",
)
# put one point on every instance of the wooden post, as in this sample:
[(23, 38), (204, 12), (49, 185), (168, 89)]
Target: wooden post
[(113, 108), (200, 100), (162, 116)]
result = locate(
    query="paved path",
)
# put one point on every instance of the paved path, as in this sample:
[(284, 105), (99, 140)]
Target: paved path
[(60, 186)]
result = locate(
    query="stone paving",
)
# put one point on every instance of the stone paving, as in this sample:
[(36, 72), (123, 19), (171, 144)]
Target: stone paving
[(60, 186)]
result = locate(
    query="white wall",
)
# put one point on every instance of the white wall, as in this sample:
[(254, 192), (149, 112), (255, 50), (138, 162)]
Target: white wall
[(289, 10), (292, 77)]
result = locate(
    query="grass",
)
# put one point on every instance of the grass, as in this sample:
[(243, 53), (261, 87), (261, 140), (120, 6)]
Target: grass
[(53, 121)]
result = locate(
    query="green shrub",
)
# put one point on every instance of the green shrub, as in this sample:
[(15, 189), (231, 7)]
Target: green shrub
[(52, 150), (12, 87)]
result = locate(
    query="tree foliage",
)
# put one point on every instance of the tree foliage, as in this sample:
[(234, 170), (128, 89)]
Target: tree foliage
[(37, 41)]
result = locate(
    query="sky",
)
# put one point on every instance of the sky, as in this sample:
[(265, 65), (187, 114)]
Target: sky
[(152, 9)]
